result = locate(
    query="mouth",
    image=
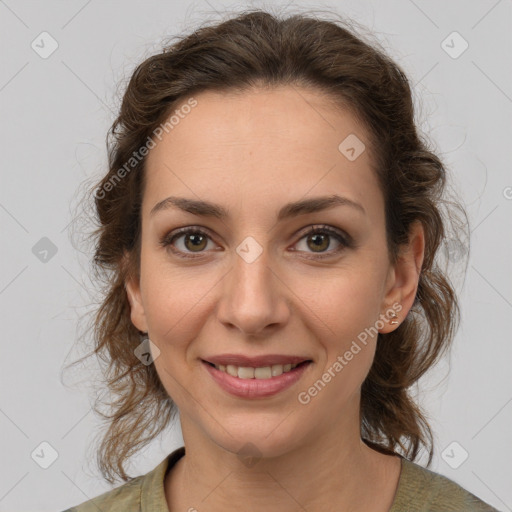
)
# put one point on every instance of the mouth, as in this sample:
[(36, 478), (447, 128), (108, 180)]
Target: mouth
[(255, 381), (257, 372)]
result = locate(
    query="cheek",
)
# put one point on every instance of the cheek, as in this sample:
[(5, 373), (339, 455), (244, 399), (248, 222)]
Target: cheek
[(348, 337), (172, 296), (342, 304), (342, 311)]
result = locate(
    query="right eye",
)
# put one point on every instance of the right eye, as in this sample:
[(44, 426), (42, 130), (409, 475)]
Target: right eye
[(194, 240)]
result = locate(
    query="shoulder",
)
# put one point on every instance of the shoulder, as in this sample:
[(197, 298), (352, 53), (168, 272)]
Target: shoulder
[(124, 497), (422, 490), (143, 493)]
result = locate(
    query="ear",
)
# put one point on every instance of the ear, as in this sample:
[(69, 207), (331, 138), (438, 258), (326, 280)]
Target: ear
[(403, 278), (137, 313)]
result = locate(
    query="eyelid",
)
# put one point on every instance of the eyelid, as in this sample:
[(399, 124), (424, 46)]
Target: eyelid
[(342, 237), (325, 228), (168, 239)]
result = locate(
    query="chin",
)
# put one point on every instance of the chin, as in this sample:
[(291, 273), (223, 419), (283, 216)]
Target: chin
[(258, 439)]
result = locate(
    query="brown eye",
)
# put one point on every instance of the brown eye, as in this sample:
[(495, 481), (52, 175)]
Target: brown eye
[(319, 242), (187, 241), (195, 242)]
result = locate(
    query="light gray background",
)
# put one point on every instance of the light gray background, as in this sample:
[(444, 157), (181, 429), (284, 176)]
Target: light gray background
[(55, 114)]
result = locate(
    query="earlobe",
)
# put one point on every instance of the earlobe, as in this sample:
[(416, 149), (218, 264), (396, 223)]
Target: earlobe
[(405, 278)]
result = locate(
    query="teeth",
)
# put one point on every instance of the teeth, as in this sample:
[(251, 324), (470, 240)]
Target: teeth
[(247, 372)]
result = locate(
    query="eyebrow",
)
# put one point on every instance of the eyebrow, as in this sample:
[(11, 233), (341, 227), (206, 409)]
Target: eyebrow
[(301, 207)]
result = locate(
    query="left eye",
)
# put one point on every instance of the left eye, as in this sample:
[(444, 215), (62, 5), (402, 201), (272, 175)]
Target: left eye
[(195, 240), (319, 240)]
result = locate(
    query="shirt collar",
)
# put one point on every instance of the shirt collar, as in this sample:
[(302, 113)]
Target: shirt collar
[(152, 496)]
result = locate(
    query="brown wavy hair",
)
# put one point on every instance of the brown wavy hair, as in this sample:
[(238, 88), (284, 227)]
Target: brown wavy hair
[(252, 49)]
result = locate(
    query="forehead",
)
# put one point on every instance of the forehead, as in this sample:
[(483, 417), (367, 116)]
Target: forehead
[(261, 145)]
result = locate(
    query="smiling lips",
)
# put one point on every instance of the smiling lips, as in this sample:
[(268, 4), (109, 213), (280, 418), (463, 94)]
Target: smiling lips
[(255, 361), (255, 377), (259, 367)]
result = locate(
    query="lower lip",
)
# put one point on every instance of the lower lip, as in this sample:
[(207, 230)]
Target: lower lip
[(256, 388)]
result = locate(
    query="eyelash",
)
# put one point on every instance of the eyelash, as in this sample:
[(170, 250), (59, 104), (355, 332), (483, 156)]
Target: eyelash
[(345, 240)]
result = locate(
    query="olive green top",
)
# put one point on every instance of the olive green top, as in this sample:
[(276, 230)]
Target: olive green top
[(419, 490)]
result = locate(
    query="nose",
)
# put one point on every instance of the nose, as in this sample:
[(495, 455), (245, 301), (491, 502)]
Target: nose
[(254, 297)]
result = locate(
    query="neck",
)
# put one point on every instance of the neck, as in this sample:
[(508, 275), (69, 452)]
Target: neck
[(335, 471)]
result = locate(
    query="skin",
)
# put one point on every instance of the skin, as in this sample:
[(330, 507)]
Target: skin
[(252, 153)]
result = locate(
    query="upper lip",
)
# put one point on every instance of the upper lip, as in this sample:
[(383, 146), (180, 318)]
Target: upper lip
[(255, 361)]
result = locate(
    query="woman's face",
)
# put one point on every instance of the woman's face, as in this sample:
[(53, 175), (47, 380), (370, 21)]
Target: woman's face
[(255, 283)]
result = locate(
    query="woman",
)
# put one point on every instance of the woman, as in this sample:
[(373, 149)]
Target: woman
[(269, 225)]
